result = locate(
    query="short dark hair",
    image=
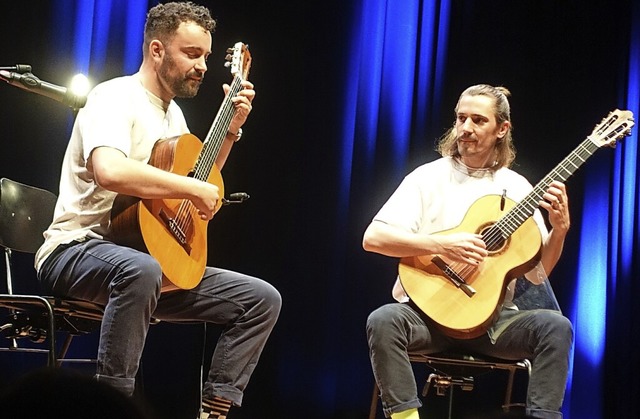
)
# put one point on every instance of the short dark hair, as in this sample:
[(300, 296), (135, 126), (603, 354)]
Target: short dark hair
[(164, 19)]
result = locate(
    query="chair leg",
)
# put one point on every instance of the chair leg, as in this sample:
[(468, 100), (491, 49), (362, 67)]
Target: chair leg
[(52, 332), (508, 403), (507, 396), (63, 351)]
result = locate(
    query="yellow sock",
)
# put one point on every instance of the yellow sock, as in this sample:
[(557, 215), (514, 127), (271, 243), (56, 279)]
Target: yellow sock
[(406, 414)]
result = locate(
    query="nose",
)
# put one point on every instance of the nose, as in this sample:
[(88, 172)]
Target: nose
[(467, 125), (201, 65)]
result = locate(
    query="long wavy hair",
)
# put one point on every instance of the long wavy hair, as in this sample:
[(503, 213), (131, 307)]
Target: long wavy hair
[(505, 150)]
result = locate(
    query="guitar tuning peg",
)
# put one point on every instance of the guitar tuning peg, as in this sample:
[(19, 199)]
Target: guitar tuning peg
[(229, 50), (227, 64)]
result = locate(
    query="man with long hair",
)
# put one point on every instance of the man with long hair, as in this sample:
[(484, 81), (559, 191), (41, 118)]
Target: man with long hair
[(476, 155)]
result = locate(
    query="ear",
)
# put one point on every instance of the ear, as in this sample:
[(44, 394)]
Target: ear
[(504, 128), (156, 50)]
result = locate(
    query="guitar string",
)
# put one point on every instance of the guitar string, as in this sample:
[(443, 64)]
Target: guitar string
[(204, 165), (209, 153), (496, 234)]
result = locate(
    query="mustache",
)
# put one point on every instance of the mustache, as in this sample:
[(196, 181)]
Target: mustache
[(468, 136), (196, 74)]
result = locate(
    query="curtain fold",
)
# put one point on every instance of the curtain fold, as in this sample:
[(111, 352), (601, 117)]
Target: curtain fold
[(394, 85)]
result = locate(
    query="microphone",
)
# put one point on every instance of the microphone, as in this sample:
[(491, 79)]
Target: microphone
[(33, 84), (236, 198), (18, 68)]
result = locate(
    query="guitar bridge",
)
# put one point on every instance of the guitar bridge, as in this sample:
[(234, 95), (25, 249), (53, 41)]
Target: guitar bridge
[(177, 232), (454, 277)]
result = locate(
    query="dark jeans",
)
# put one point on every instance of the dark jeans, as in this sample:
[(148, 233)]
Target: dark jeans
[(542, 336), (128, 282)]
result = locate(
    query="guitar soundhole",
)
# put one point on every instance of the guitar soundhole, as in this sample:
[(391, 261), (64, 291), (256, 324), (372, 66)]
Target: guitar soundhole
[(494, 240)]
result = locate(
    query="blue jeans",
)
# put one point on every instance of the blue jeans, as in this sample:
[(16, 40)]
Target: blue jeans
[(127, 282), (542, 336)]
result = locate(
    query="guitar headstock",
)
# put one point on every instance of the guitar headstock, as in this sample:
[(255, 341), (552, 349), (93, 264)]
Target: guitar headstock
[(238, 59), (614, 127)]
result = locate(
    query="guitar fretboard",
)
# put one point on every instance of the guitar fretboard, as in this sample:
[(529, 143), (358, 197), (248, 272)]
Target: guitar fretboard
[(215, 138), (605, 134)]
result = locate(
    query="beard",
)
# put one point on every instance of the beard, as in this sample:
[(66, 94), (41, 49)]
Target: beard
[(181, 86), (476, 154)]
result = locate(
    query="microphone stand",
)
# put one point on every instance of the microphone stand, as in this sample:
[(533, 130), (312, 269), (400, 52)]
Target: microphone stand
[(20, 76), (18, 68)]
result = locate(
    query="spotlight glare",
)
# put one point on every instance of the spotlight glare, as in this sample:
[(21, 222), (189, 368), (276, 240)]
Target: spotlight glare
[(79, 85)]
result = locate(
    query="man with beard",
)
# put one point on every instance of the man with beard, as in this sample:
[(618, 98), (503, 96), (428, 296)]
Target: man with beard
[(107, 155), (476, 155)]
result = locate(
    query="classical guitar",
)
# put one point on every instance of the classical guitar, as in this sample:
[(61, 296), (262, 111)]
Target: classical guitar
[(462, 300), (170, 230)]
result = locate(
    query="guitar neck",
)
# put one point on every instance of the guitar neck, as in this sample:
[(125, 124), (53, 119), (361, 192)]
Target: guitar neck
[(563, 171), (213, 141)]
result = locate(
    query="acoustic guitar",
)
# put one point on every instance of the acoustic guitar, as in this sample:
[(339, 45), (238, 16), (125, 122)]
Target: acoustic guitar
[(170, 230), (464, 300)]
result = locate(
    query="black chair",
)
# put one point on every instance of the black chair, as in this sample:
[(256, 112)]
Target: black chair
[(25, 212), (456, 370)]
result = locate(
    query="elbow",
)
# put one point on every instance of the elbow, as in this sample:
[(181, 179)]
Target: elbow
[(105, 177), (369, 241), (366, 245), (105, 164)]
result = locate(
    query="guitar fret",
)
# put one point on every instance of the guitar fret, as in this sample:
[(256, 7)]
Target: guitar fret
[(525, 209), (215, 138), (574, 165)]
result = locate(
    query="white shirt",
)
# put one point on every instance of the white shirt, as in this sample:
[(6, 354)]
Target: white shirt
[(122, 114)]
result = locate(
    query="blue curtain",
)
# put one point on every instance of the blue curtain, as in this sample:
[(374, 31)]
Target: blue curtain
[(394, 79), (392, 83), (603, 311), (90, 29)]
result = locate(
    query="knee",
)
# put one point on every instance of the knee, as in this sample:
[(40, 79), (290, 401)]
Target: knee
[(273, 298), (142, 276), (378, 318), (559, 329), (269, 297), (382, 323), (560, 324)]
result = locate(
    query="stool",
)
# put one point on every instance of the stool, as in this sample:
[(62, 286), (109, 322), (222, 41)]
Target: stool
[(448, 373)]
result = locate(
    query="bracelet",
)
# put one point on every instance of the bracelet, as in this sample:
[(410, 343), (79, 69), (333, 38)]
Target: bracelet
[(234, 137)]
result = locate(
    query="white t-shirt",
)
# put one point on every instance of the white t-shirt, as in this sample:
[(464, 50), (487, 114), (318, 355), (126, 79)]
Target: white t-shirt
[(122, 114), (436, 197)]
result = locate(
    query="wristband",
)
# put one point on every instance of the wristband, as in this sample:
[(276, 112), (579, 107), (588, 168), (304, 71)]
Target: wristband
[(234, 137)]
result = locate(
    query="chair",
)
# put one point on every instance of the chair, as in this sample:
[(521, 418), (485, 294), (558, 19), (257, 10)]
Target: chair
[(455, 370), (25, 212)]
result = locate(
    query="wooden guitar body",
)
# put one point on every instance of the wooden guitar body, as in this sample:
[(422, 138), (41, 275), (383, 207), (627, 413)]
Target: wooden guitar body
[(168, 229), (458, 314)]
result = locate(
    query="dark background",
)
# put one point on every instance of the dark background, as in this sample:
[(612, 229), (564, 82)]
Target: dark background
[(564, 62)]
